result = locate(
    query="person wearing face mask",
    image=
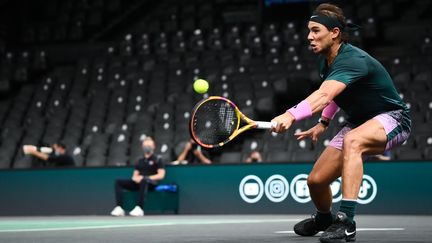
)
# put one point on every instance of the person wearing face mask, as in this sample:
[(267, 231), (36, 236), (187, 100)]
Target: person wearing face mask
[(254, 157), (192, 153), (52, 156), (147, 172)]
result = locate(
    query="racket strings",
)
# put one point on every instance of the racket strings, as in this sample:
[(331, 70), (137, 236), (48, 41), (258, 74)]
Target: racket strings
[(227, 114), (214, 121)]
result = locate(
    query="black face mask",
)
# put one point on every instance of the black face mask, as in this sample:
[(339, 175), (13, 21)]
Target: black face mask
[(148, 149)]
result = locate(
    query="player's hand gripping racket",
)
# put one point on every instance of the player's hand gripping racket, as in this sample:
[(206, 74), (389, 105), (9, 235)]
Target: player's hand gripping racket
[(216, 120)]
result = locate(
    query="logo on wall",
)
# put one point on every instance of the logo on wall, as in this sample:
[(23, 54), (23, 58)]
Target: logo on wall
[(251, 189), (336, 189), (277, 188), (368, 190), (299, 189)]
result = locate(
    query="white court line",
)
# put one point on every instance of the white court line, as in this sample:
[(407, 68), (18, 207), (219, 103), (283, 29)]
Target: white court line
[(252, 221), (85, 227), (359, 229)]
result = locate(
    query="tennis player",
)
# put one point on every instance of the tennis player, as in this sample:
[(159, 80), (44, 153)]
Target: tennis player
[(378, 120)]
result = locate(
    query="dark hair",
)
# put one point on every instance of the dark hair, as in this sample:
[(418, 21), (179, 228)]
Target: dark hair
[(61, 145), (333, 11)]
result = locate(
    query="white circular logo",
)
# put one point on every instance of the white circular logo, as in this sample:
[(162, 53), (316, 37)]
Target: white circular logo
[(299, 189), (368, 190), (251, 189), (276, 188), (336, 189), (367, 193)]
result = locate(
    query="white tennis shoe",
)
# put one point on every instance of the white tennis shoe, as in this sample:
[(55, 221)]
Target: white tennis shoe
[(118, 211), (137, 212)]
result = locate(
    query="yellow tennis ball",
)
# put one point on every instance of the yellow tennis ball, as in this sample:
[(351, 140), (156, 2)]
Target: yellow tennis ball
[(201, 86)]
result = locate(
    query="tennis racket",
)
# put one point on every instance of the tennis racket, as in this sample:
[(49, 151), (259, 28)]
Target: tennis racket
[(215, 121)]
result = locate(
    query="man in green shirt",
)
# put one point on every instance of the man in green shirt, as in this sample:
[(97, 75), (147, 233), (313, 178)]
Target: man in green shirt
[(377, 121)]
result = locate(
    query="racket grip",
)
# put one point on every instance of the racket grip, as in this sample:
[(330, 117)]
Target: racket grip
[(266, 125)]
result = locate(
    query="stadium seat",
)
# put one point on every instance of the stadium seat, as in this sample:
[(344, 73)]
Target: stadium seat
[(95, 161), (408, 153), (23, 162), (117, 160), (304, 156), (427, 153), (231, 157), (278, 157), (142, 77)]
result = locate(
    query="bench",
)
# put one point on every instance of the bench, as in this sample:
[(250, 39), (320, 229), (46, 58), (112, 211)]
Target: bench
[(160, 200)]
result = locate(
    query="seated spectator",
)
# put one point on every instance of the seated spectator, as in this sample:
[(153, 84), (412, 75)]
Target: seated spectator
[(254, 157), (193, 153), (147, 172), (56, 155)]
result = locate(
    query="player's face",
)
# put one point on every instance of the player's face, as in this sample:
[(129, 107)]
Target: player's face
[(320, 38)]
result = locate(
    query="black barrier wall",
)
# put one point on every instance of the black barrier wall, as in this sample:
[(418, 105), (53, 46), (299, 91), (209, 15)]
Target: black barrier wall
[(387, 188)]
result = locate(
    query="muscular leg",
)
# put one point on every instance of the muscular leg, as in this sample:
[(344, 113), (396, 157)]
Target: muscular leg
[(368, 138), (327, 168)]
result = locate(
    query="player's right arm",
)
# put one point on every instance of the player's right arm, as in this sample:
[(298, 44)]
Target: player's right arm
[(320, 98)]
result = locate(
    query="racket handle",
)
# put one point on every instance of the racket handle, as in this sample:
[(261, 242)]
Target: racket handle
[(265, 125)]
